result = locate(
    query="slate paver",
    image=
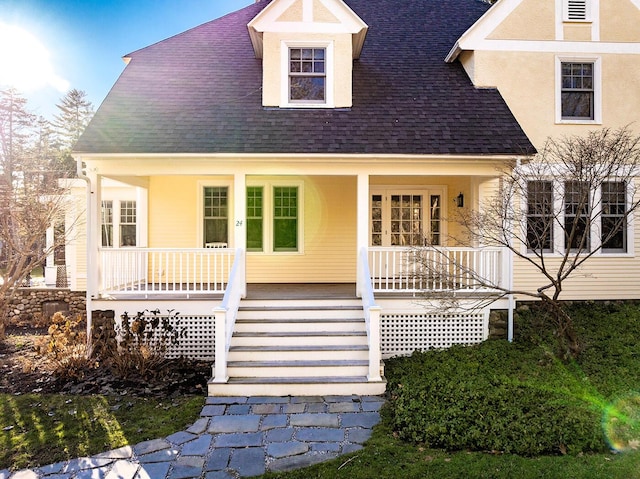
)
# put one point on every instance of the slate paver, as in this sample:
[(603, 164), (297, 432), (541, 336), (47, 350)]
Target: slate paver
[(153, 471), (239, 440), (365, 419), (273, 421), (284, 449), (226, 400), (224, 424), (281, 434), (344, 407), (359, 435), (248, 462), (219, 459), (266, 408), (47, 470), (319, 420), (159, 456), (297, 462), (213, 410), (236, 409), (150, 446), (197, 447), (181, 437), (123, 469), (199, 426), (320, 434), (326, 446), (219, 475), (124, 452), (347, 448)]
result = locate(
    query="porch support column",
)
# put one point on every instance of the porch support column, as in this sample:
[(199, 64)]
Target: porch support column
[(240, 223), (362, 227), (94, 235), (142, 217)]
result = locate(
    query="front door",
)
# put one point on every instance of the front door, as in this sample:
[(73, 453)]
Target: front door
[(406, 217)]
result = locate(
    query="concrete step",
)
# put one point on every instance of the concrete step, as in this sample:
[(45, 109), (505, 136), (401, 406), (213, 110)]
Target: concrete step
[(299, 325), (297, 386), (298, 368), (320, 338), (300, 314), (297, 352)]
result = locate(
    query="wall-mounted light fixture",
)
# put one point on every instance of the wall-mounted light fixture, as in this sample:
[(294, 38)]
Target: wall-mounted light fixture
[(459, 200)]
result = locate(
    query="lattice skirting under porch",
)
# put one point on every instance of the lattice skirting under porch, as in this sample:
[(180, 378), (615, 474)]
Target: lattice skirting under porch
[(403, 333), (197, 340)]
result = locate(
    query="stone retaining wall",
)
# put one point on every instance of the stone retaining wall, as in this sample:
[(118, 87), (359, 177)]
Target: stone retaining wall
[(34, 303)]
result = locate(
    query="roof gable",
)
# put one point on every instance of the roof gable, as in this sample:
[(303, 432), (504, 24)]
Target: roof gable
[(308, 16)]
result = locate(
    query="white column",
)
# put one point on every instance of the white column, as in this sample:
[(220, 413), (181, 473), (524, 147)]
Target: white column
[(362, 225), (94, 235), (240, 222), (142, 217)]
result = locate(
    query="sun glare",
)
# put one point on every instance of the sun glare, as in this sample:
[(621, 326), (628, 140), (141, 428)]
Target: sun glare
[(25, 62)]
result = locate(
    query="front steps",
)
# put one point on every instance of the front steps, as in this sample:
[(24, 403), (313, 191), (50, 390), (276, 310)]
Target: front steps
[(313, 347)]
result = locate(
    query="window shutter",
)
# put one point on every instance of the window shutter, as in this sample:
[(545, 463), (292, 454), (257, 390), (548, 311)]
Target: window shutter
[(576, 10)]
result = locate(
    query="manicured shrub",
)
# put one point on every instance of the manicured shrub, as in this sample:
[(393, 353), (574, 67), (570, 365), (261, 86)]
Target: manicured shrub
[(492, 397)]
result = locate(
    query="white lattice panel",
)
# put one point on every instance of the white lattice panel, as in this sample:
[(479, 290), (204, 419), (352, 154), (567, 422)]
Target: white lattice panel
[(404, 333), (198, 341)]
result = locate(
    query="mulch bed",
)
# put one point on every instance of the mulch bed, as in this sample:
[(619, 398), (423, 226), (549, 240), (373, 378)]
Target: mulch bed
[(23, 370)]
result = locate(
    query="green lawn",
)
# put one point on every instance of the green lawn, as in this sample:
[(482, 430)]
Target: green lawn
[(44, 429)]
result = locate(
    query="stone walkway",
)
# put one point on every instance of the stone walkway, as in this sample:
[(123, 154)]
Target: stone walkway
[(235, 437)]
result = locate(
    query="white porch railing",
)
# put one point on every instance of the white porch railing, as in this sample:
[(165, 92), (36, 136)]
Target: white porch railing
[(372, 320), (225, 317), (164, 270), (410, 270)]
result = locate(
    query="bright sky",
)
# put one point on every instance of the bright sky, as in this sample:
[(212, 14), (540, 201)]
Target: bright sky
[(50, 46)]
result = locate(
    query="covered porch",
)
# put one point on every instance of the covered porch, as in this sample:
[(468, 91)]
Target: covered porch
[(210, 247)]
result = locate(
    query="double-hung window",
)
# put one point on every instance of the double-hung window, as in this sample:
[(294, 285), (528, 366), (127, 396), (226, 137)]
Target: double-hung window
[(578, 93), (540, 215), (614, 217), (577, 215), (216, 216), (107, 223), (307, 75), (579, 87), (128, 230)]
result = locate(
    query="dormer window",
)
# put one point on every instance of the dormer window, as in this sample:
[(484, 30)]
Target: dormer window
[(577, 10), (307, 75)]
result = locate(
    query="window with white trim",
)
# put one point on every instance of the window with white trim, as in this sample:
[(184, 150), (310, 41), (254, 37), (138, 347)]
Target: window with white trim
[(307, 75), (216, 216), (128, 220), (578, 90), (583, 219), (274, 217), (107, 223), (406, 218), (540, 216), (614, 217), (118, 224)]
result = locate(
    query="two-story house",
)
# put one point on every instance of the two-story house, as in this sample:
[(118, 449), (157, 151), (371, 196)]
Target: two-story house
[(268, 173)]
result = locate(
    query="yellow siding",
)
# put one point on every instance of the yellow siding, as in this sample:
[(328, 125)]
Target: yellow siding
[(329, 238), (531, 20), (174, 211)]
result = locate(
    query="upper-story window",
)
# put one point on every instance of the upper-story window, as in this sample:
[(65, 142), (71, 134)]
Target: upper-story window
[(307, 75), (577, 91), (577, 10)]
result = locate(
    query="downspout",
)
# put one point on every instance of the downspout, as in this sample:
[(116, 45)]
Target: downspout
[(89, 296)]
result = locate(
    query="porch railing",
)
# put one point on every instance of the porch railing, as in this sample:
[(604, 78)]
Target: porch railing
[(410, 270), (164, 270), (372, 320), (225, 317)]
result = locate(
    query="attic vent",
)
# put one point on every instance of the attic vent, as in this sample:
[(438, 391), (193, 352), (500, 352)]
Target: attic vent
[(576, 10)]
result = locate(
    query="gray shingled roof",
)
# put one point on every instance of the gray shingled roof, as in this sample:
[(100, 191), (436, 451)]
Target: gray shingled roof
[(200, 92)]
